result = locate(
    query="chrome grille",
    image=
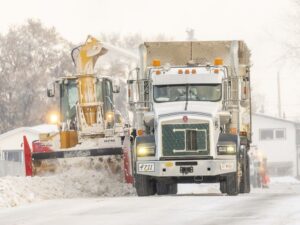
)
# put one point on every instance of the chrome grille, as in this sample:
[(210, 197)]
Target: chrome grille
[(185, 139)]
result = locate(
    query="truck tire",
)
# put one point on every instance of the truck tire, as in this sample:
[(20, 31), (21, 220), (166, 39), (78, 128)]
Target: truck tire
[(245, 179), (162, 188), (232, 186), (223, 187), (173, 189), (144, 186)]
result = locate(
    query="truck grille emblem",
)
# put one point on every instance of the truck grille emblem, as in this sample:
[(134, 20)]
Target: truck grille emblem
[(185, 119)]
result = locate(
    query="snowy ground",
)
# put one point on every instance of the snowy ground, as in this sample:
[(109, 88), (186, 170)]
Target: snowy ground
[(269, 207), (88, 197)]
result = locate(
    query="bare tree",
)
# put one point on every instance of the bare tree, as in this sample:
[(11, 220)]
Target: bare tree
[(31, 55)]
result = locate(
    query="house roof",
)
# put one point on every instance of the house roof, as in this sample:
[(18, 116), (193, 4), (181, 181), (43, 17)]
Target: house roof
[(276, 118), (43, 128)]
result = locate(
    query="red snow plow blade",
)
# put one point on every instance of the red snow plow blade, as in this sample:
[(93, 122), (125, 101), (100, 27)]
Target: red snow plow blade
[(41, 152)]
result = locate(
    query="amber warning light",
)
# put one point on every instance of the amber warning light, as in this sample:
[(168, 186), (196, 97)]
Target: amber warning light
[(218, 62), (155, 62)]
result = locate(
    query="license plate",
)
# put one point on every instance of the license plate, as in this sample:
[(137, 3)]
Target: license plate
[(146, 167), (227, 166), (186, 170)]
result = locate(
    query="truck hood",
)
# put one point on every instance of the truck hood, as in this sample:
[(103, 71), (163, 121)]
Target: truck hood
[(209, 108)]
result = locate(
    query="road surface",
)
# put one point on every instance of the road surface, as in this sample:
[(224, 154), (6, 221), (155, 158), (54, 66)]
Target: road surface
[(280, 204)]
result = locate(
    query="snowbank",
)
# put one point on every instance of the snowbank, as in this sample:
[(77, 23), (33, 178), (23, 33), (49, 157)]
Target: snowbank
[(289, 180), (72, 182)]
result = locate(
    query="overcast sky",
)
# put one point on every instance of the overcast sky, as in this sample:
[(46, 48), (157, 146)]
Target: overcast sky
[(263, 24)]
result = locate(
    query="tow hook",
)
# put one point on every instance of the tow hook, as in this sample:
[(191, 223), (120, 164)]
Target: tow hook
[(198, 179)]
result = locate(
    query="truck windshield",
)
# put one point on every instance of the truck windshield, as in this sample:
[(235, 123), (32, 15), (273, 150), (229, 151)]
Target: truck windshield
[(69, 98), (190, 92)]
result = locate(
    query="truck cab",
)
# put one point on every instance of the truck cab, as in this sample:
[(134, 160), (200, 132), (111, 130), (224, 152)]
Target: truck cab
[(86, 108), (188, 122)]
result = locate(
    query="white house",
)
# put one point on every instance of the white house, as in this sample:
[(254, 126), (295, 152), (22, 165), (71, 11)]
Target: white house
[(279, 140), (11, 147)]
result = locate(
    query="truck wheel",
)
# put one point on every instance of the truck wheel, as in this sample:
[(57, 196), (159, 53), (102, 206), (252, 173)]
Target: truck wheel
[(223, 187), (245, 179), (162, 188), (232, 186), (144, 186), (173, 188)]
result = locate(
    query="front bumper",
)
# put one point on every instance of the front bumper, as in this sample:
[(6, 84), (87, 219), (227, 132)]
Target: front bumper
[(176, 168)]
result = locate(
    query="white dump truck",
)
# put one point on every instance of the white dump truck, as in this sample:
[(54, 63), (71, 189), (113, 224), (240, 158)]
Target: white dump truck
[(191, 108)]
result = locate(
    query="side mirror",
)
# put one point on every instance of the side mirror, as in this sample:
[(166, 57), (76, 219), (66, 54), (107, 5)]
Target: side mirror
[(131, 93), (245, 91), (116, 86), (118, 118), (51, 90)]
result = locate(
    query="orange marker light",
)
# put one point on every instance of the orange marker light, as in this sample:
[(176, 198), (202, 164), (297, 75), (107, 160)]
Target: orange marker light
[(218, 62), (157, 72), (180, 71), (187, 71), (233, 130), (243, 133), (216, 70), (140, 132), (194, 71), (155, 62)]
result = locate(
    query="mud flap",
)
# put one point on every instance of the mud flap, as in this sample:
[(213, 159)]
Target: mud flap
[(127, 156)]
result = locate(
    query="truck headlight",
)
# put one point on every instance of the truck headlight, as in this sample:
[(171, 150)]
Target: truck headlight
[(224, 150), (110, 116), (53, 117), (144, 150)]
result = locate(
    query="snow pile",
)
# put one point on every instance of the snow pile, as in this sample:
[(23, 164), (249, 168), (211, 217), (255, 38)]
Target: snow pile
[(72, 182)]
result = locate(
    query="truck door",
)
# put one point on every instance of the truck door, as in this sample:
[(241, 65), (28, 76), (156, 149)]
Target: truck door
[(68, 101)]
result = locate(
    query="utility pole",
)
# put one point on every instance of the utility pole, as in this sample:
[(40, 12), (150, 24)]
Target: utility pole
[(279, 95)]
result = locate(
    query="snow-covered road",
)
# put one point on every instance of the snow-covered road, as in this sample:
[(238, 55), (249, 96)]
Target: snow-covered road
[(280, 204)]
